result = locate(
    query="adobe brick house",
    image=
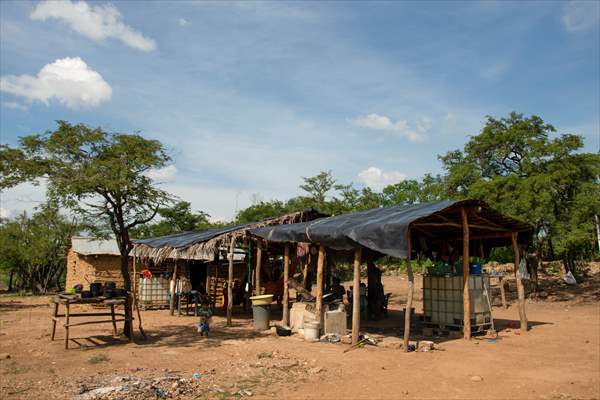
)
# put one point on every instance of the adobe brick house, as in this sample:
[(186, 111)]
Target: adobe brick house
[(93, 260)]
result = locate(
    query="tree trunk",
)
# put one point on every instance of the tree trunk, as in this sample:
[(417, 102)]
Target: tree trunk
[(127, 326), (58, 282), (551, 249), (10, 281), (597, 232)]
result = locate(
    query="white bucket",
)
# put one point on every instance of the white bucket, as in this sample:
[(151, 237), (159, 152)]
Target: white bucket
[(311, 331)]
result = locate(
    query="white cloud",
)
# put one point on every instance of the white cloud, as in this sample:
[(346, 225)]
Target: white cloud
[(68, 80), (23, 197), (95, 22), (400, 127), (377, 179), (4, 212), (182, 22), (13, 105), (166, 174), (581, 15)]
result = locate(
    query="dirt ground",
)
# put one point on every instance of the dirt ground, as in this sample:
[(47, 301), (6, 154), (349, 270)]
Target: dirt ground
[(559, 358)]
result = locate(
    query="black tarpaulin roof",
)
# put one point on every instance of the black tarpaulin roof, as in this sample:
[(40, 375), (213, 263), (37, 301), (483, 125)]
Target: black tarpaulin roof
[(385, 230)]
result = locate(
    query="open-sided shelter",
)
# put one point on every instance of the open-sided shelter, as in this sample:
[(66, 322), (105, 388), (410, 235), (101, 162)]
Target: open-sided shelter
[(401, 231), (208, 246)]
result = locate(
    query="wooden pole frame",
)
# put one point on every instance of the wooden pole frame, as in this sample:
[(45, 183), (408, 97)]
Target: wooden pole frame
[(173, 286), (135, 301), (520, 287), (319, 302), (356, 296), (258, 267), (409, 297), (230, 282), (217, 264), (285, 320), (466, 291)]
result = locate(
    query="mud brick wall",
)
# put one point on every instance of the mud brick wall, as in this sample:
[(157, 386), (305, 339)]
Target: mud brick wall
[(93, 268)]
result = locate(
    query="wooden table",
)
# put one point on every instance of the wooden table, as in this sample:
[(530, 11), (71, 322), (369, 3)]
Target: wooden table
[(68, 300)]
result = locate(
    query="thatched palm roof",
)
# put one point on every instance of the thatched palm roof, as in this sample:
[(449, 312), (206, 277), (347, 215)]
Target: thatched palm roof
[(203, 245)]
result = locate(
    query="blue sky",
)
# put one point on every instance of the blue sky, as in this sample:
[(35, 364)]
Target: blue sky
[(251, 96)]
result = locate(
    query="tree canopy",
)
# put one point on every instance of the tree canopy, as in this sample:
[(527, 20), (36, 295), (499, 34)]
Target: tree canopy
[(101, 176), (519, 167), (173, 219), (33, 249)]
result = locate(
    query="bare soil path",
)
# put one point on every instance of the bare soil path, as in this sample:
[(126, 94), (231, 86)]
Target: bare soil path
[(558, 359)]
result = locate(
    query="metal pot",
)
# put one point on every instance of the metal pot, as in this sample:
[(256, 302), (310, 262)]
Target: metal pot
[(96, 289)]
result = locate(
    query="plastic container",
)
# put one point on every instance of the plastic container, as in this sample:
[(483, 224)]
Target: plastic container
[(475, 269), (311, 331), (96, 289), (262, 299), (261, 315), (283, 330)]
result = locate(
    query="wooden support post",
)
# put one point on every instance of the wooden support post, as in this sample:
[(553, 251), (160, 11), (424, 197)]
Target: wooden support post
[(286, 290), (258, 266), (135, 302), (502, 293), (520, 288), (54, 314), (319, 304), (67, 325), (305, 269), (230, 282), (173, 287), (207, 285), (114, 322), (409, 297), (356, 296), (466, 291), (247, 289), (216, 279)]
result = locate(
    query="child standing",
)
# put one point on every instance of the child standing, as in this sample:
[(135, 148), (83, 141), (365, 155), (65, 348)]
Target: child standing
[(205, 313)]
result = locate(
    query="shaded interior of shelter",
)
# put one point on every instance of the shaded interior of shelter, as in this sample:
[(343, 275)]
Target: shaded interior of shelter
[(487, 228)]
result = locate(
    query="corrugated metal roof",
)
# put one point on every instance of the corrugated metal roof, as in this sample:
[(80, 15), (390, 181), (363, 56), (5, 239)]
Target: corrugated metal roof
[(94, 246)]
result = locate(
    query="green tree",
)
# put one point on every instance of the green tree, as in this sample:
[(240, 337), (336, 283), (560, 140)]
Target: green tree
[(318, 187), (349, 200), (178, 218), (101, 176), (33, 249), (517, 167), (261, 210), (401, 193)]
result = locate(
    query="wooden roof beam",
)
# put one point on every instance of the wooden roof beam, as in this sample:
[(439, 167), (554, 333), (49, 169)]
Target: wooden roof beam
[(455, 225)]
